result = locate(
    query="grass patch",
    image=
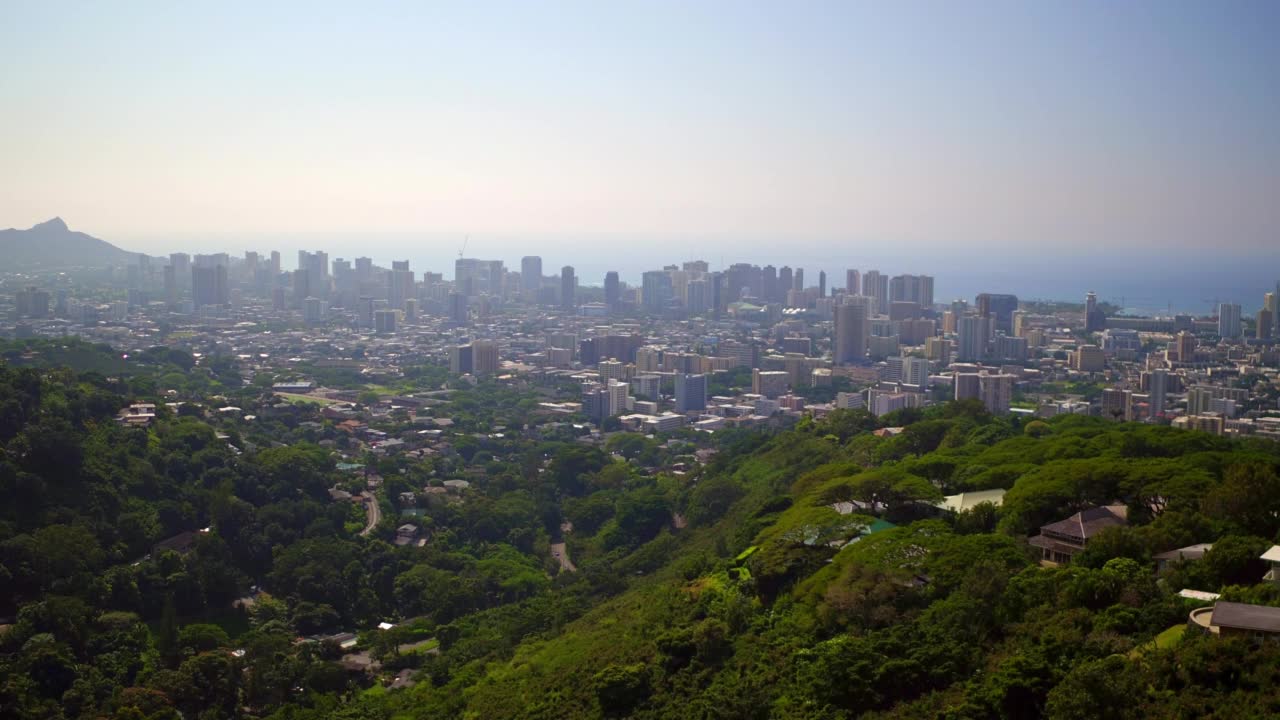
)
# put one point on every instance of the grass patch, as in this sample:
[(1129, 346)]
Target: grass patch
[(1166, 640)]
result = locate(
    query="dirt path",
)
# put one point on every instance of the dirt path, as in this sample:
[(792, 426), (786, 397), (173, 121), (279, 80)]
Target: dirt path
[(561, 554)]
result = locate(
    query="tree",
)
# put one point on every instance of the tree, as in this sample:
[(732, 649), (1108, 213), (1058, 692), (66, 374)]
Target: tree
[(620, 688), (1111, 688)]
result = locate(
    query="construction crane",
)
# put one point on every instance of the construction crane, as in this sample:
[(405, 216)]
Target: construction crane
[(463, 249)]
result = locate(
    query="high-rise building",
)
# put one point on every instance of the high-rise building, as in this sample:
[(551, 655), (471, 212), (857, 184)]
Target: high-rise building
[(530, 276), (1117, 404), (971, 334), (656, 289), (1229, 325), (316, 265), (798, 282), (876, 287), (786, 281), (938, 350), (568, 288), (691, 392), (1264, 324), (822, 283), (458, 308), (967, 385), (314, 310), (769, 283), (1094, 319), (999, 307), (1184, 347), (1158, 388), (209, 281), (770, 383), (1271, 301), (484, 357), (996, 392), (461, 359), (852, 282), (850, 330), (181, 263), (384, 321), (400, 284), (612, 290), (1089, 358)]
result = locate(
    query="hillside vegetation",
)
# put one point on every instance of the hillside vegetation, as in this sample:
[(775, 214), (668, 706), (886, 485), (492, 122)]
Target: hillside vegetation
[(803, 573)]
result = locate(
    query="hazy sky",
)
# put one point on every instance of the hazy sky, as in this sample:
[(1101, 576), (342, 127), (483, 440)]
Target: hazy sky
[(920, 125)]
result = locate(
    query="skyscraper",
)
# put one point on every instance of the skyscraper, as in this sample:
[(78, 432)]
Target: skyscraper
[(484, 357), (1094, 319), (612, 290), (209, 280), (691, 392), (822, 283), (850, 330), (657, 290), (1229, 321), (530, 276), (999, 307), (1159, 388), (785, 282), (852, 282), (568, 288), (876, 286), (972, 333), (769, 283)]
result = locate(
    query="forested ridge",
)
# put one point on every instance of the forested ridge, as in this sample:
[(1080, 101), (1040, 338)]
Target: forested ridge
[(798, 573)]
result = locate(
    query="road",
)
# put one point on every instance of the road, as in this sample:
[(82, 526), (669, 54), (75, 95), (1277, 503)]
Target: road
[(372, 512)]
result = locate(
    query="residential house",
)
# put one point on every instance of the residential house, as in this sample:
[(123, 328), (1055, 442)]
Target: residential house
[(1063, 540), (1238, 619), (1166, 560)]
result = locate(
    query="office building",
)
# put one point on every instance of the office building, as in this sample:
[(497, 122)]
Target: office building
[(1264, 324), (691, 392), (852, 282)]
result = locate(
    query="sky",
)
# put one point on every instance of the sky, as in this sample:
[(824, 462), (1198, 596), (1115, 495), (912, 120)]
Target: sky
[(915, 131)]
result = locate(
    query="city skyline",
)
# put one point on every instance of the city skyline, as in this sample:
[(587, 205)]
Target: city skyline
[(1059, 127)]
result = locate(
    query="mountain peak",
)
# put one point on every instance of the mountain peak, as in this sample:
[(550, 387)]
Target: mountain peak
[(55, 224)]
